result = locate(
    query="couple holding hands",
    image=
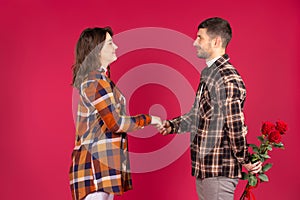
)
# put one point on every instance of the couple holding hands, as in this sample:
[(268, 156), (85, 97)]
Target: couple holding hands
[(100, 163)]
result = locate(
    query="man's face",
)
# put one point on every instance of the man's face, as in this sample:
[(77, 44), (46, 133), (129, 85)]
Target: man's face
[(203, 44)]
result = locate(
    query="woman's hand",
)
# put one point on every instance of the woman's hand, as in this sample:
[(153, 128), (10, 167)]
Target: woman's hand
[(156, 121)]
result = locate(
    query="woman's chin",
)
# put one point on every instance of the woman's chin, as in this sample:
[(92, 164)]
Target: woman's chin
[(114, 59)]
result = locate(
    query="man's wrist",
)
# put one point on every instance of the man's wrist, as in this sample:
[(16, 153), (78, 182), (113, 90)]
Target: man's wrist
[(172, 127), (246, 161)]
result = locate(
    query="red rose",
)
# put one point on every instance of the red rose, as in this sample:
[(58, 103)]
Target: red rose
[(267, 127), (275, 137), (281, 126)]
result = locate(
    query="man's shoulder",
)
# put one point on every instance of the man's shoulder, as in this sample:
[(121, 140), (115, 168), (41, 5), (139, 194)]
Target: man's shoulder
[(227, 69), (228, 74)]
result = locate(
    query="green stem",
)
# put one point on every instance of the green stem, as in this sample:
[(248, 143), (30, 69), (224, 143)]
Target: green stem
[(263, 148), (244, 193)]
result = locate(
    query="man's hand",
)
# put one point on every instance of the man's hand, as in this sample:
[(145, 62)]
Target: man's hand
[(253, 168), (165, 129)]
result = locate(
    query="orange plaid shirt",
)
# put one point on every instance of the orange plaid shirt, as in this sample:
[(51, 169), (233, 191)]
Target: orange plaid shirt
[(100, 157)]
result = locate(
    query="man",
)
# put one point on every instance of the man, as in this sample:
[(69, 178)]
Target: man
[(216, 120)]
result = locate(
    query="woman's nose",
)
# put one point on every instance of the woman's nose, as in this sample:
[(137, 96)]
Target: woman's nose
[(115, 46)]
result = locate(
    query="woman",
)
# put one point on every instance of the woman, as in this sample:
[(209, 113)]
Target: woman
[(100, 165)]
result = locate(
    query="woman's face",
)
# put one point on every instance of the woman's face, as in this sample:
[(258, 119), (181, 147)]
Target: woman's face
[(108, 51)]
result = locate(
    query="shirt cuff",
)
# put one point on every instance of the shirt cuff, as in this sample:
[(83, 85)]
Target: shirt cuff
[(246, 160), (172, 127)]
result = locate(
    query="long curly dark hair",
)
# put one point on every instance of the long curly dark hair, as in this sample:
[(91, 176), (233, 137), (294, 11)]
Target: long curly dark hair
[(87, 52)]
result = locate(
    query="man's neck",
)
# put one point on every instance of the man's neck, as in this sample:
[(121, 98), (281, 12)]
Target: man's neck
[(210, 62), (217, 54)]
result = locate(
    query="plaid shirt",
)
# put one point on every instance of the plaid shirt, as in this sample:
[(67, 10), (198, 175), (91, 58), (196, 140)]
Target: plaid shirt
[(100, 157), (216, 123)]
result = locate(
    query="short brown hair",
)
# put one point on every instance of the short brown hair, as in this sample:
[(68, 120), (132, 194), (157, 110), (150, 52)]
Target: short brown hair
[(217, 27)]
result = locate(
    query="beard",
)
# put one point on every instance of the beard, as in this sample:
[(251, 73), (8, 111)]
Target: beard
[(203, 55), (204, 51)]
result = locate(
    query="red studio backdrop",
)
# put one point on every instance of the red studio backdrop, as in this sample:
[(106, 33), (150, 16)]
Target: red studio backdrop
[(158, 71)]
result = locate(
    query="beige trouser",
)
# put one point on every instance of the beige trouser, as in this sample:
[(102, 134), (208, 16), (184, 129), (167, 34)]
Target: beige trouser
[(99, 196), (216, 188)]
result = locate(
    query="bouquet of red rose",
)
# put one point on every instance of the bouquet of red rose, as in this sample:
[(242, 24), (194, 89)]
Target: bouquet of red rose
[(269, 139)]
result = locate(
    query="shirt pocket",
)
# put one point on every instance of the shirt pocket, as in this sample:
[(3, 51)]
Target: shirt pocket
[(206, 106)]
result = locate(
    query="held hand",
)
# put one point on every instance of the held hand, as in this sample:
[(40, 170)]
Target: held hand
[(253, 168), (156, 121), (165, 129)]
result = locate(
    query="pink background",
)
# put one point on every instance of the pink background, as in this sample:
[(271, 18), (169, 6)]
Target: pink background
[(37, 43)]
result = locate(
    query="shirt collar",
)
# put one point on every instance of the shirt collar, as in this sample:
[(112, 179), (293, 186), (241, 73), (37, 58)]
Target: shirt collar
[(210, 62), (102, 69)]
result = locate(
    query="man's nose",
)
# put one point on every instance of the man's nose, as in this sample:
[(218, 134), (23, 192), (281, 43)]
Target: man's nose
[(195, 43)]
